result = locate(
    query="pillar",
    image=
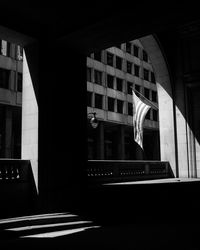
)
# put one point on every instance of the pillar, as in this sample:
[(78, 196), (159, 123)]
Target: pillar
[(30, 109), (100, 141), (121, 143), (8, 131)]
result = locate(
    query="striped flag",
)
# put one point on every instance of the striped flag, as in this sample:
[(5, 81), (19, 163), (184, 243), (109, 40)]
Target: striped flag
[(140, 110)]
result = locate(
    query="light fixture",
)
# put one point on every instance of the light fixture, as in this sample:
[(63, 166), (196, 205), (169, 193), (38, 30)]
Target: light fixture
[(93, 120)]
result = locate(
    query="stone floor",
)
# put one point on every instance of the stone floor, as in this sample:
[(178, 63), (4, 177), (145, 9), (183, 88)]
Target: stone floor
[(146, 216)]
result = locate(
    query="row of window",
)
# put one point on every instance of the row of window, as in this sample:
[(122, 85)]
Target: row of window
[(134, 50), (96, 76), (5, 79), (116, 105), (116, 61), (5, 50)]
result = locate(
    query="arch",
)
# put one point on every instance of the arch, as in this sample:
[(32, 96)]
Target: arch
[(165, 101)]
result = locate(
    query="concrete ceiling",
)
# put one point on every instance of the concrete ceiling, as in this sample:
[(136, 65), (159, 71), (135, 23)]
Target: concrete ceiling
[(97, 25)]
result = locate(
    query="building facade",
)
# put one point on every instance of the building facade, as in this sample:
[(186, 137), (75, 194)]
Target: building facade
[(10, 99), (111, 75)]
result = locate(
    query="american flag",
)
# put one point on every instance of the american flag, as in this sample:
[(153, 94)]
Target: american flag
[(140, 110)]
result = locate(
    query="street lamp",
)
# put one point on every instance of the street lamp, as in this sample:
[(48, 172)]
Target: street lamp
[(93, 120)]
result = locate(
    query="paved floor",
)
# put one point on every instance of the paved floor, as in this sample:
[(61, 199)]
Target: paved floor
[(70, 231), (74, 230)]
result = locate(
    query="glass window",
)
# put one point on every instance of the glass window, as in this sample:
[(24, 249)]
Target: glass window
[(130, 108), (3, 47), (154, 96), (136, 69), (129, 88), (89, 99), (4, 78), (153, 80), (19, 82), (129, 67), (146, 74), (144, 56), (155, 115), (147, 93), (19, 53), (110, 81), (128, 47), (98, 77), (111, 104), (120, 106), (135, 50), (89, 74), (98, 101), (119, 84), (118, 62), (138, 89), (110, 59)]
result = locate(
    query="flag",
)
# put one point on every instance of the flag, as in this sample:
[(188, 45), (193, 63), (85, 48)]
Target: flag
[(140, 110)]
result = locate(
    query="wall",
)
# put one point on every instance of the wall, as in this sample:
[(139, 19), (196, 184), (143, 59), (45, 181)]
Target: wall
[(29, 118), (165, 101)]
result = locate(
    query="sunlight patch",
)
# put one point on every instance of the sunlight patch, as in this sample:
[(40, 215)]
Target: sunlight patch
[(59, 233)]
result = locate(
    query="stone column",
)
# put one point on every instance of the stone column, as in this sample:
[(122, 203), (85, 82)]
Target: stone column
[(30, 110), (121, 143), (8, 131), (100, 142)]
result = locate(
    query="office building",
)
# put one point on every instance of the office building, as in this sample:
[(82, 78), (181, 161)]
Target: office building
[(111, 75), (10, 99)]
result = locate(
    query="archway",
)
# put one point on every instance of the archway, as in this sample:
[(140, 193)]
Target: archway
[(165, 101)]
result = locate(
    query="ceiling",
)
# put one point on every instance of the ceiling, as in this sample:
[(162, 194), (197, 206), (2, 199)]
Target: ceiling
[(94, 25)]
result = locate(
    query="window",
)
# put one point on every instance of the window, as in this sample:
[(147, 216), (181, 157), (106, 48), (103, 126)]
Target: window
[(148, 114), (137, 88), (128, 47), (111, 104), (129, 67), (4, 78), (154, 96), (155, 115), (19, 53), (97, 56), (135, 50), (89, 74), (146, 74), (98, 77), (110, 81), (119, 84), (89, 99), (19, 82), (120, 106), (118, 62), (144, 56), (153, 80), (136, 70), (130, 108), (98, 101), (110, 59), (129, 88), (5, 48), (146, 93)]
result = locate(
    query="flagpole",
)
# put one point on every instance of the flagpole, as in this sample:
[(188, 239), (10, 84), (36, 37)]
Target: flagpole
[(145, 98)]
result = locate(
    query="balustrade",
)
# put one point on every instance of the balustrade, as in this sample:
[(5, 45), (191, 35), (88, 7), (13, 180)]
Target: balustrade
[(113, 171)]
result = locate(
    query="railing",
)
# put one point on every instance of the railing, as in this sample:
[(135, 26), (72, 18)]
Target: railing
[(17, 187), (13, 170), (116, 171)]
